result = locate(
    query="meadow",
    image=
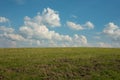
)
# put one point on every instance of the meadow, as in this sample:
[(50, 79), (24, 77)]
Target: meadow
[(60, 64)]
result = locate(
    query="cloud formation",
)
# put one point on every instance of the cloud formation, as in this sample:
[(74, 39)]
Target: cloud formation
[(74, 26), (51, 17), (38, 31), (8, 33), (48, 17), (112, 31), (35, 32), (88, 25), (6, 29), (3, 20)]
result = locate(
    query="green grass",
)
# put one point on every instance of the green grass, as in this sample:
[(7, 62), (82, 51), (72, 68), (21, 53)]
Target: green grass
[(60, 64)]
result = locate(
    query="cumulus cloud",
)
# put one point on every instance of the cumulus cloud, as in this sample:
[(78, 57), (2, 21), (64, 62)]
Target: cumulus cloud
[(112, 31), (8, 33), (37, 27), (8, 37), (51, 17), (13, 37), (38, 30), (3, 20), (6, 29), (89, 25), (80, 39), (74, 26), (48, 17), (35, 32)]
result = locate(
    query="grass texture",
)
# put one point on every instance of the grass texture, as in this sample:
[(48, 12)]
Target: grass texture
[(59, 64)]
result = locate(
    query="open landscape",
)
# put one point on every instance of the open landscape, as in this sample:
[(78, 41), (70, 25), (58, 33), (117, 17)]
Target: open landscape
[(59, 64), (59, 39)]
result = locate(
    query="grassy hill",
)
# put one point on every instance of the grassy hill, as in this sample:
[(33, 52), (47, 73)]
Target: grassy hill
[(59, 64)]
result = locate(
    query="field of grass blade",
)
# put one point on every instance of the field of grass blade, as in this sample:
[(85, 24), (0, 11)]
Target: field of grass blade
[(60, 64)]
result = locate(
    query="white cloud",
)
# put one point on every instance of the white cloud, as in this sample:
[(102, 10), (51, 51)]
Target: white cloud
[(48, 17), (9, 34), (13, 37), (38, 31), (112, 31), (8, 37), (74, 26), (80, 39), (35, 29), (6, 29), (51, 17), (89, 25), (3, 20), (35, 32)]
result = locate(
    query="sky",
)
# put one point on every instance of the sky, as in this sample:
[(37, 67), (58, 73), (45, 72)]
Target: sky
[(59, 23)]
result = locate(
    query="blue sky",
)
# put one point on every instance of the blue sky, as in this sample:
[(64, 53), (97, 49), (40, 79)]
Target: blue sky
[(65, 23)]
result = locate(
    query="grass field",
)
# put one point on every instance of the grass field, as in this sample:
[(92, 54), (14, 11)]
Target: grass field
[(59, 64)]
